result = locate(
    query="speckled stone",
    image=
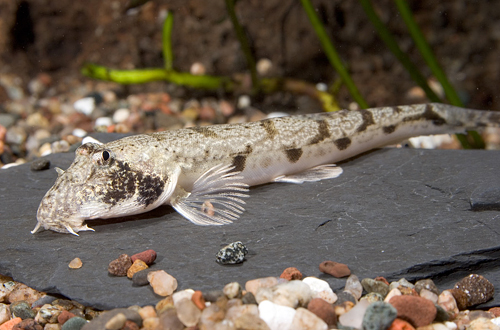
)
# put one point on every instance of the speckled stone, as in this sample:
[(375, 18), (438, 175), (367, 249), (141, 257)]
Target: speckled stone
[(478, 289), (379, 316), (231, 254), (371, 285), (23, 310), (291, 273), (461, 298), (335, 269), (120, 266), (372, 297)]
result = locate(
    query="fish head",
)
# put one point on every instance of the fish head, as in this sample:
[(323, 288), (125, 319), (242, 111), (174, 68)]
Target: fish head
[(100, 184)]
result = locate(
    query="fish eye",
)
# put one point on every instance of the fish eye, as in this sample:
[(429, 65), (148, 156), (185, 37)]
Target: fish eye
[(105, 155)]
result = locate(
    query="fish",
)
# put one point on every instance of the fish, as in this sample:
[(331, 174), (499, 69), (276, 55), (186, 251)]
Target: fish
[(205, 173)]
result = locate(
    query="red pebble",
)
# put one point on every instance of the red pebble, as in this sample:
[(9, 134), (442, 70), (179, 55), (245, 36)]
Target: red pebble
[(334, 268), (323, 310), (399, 324), (381, 279), (130, 325), (198, 300), (64, 316), (291, 273), (27, 324), (148, 256), (495, 311), (417, 311)]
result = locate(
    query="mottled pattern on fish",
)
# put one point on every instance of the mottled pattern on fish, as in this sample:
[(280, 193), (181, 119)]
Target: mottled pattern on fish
[(204, 172)]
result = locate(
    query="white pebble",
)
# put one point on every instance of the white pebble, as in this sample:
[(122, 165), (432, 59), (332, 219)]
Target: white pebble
[(292, 294), (453, 325), (89, 139), (495, 321), (353, 286), (263, 66), (121, 115), (103, 121), (424, 293), (322, 87), (176, 297), (243, 102), (277, 317), (78, 132), (306, 320), (4, 313), (354, 317), (163, 283), (320, 289), (9, 165), (85, 105), (394, 292), (277, 114), (197, 69)]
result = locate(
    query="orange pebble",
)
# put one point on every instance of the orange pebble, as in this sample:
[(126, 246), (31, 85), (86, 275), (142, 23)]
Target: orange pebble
[(198, 300), (399, 324), (10, 324)]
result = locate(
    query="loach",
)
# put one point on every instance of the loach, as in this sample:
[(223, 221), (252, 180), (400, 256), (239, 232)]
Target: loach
[(205, 172)]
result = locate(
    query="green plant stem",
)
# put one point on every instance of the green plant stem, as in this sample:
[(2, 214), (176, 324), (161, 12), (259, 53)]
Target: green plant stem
[(332, 54), (168, 54), (245, 47), (431, 61), (392, 44)]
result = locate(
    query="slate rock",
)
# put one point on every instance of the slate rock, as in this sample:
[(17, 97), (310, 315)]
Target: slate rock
[(429, 189), (478, 289), (101, 321), (379, 316), (233, 253)]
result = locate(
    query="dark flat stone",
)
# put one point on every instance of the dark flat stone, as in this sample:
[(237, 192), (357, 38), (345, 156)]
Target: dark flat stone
[(393, 213)]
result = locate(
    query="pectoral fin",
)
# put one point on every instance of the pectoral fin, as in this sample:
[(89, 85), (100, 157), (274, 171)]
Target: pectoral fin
[(321, 172), (216, 197)]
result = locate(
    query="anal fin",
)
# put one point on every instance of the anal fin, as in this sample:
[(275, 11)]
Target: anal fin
[(317, 173), (216, 197)]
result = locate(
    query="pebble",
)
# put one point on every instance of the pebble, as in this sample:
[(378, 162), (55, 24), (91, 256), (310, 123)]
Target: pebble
[(103, 121), (120, 266), (11, 323), (306, 320), (236, 311), (85, 105), (40, 164), (249, 298), (116, 322), (75, 323), (75, 263), (100, 322), (426, 284), (416, 310), (60, 146), (198, 299), (148, 256), (354, 317), (64, 316), (483, 324), (136, 267), (213, 295), (291, 273), (184, 294), (335, 269), (164, 304), (4, 313), (323, 310), (140, 278), (292, 294), (147, 311), (277, 317), (163, 283), (401, 283), (478, 289), (394, 292), (371, 285), (429, 295), (22, 309), (250, 321), (373, 297), (461, 298), (344, 296), (28, 324), (264, 282), (353, 286), (187, 312), (232, 290), (120, 115), (233, 253), (320, 289), (399, 324), (379, 316)]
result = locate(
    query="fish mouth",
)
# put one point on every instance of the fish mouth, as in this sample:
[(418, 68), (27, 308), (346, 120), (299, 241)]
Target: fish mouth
[(48, 219)]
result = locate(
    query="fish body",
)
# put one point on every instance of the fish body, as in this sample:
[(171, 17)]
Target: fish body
[(205, 172)]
